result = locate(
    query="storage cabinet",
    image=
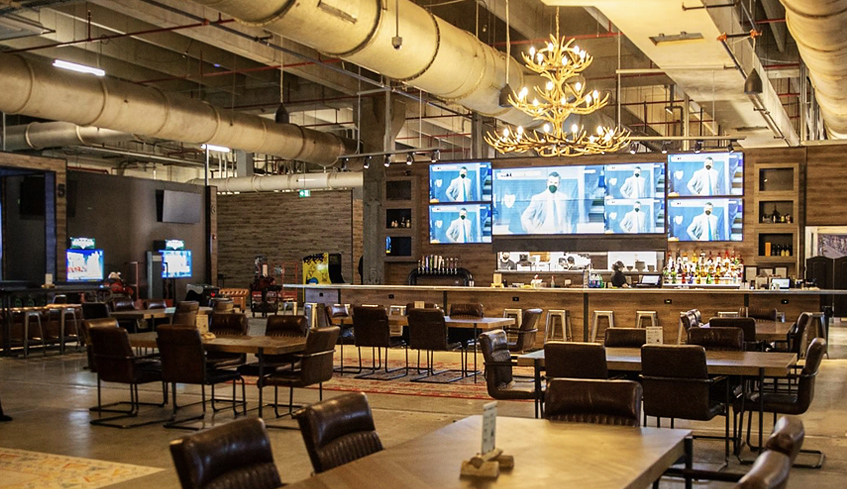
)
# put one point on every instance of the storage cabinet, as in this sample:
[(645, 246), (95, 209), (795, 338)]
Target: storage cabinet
[(777, 206), (401, 230)]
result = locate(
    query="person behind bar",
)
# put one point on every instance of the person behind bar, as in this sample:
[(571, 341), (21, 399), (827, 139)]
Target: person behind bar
[(461, 188), (547, 210), (704, 227), (618, 278)]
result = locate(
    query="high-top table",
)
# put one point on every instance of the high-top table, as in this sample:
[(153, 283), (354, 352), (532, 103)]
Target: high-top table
[(256, 345), (547, 454)]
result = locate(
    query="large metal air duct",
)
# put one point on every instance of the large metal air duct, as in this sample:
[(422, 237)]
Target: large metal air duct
[(296, 181), (40, 135), (819, 29), (435, 56), (38, 90)]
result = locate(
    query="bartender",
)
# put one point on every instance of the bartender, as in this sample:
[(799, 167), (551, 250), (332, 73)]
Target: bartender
[(618, 278)]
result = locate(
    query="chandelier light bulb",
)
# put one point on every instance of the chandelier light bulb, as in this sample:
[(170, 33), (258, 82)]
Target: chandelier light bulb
[(506, 132), (539, 57), (596, 94), (535, 102), (591, 139), (600, 130), (588, 99), (546, 127), (577, 86), (574, 129), (532, 51), (564, 100), (608, 136), (582, 54), (520, 130), (550, 46), (523, 93), (549, 85), (576, 49)]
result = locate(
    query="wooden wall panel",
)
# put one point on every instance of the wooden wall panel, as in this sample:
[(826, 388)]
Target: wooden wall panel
[(826, 179)]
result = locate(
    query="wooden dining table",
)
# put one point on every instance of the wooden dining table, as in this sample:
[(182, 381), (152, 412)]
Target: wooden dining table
[(547, 454), (255, 345), (152, 313)]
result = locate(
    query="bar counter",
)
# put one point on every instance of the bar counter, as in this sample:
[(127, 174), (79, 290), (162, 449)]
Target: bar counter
[(667, 302)]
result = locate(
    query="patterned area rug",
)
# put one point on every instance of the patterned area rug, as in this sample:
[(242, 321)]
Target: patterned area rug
[(20, 469)]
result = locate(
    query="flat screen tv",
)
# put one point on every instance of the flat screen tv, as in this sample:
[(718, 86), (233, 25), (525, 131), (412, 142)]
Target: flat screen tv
[(176, 263), (459, 182), (706, 174), (84, 265), (179, 207), (460, 223), (566, 200), (705, 219)]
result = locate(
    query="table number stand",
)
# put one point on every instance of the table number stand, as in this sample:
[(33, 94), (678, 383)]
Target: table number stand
[(488, 463)]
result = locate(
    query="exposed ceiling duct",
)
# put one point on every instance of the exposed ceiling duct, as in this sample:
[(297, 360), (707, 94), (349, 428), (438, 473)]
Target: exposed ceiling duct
[(38, 90), (40, 135), (294, 181), (819, 30), (409, 45)]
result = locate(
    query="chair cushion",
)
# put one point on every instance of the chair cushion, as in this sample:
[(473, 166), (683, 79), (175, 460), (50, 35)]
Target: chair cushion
[(516, 389)]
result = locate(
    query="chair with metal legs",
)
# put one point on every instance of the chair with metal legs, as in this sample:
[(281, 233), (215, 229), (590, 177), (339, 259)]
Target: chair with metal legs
[(371, 330), (428, 332), (341, 312)]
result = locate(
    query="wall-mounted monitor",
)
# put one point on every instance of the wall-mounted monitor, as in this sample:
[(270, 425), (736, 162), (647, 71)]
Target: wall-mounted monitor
[(178, 207), (705, 174), (460, 223), (459, 182), (705, 219), (81, 243), (176, 263), (635, 216), (84, 265)]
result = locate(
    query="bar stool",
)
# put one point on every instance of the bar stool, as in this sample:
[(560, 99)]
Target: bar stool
[(63, 322), (28, 313), (310, 310), (564, 322), (396, 330), (595, 326), (727, 314), (515, 314), (289, 304), (640, 316)]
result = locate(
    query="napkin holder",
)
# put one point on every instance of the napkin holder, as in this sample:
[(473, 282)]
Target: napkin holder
[(487, 465)]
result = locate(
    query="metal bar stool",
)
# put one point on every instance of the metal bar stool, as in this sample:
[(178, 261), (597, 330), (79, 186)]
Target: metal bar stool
[(595, 325), (640, 316), (29, 313), (563, 315)]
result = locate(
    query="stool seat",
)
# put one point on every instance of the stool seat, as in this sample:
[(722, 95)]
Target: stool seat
[(563, 315), (640, 316), (595, 326)]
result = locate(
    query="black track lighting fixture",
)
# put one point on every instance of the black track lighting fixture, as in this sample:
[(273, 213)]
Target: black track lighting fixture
[(387, 161), (410, 158), (698, 146), (633, 148), (665, 146), (436, 155), (368, 162), (753, 83), (730, 146)]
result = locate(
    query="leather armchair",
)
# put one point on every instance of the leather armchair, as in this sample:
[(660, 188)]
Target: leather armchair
[(787, 437), (525, 335), (95, 310), (285, 326), (371, 330), (222, 305), (228, 325), (499, 379), (762, 313), (86, 337), (156, 304), (236, 455), (575, 360), (770, 471), (123, 304), (346, 336), (610, 402), (747, 325), (338, 431), (625, 338), (188, 306), (471, 310), (717, 339), (428, 331)]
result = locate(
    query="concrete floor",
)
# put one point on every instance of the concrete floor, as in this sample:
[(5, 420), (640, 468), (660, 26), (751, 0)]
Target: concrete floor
[(48, 397)]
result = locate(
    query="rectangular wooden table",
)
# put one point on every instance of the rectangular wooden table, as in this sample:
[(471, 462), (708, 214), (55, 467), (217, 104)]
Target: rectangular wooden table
[(152, 313), (547, 454), (256, 345), (772, 330)]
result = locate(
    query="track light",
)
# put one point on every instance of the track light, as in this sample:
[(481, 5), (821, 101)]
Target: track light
[(67, 65), (218, 149), (753, 83), (633, 148), (503, 99), (698, 146), (410, 158), (665, 146), (367, 162), (436, 155), (387, 160), (730, 147)]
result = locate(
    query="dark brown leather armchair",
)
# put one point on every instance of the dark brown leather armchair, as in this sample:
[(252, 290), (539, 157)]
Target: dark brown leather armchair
[(228, 325), (371, 330), (787, 437), (95, 310), (156, 304), (315, 367), (500, 381), (282, 326), (625, 338), (428, 332), (222, 305), (762, 313), (575, 360), (470, 310), (116, 362), (794, 339), (717, 339), (338, 431), (186, 314), (123, 304), (525, 335), (747, 325), (770, 471), (188, 306), (184, 362), (236, 455), (611, 402), (341, 311)]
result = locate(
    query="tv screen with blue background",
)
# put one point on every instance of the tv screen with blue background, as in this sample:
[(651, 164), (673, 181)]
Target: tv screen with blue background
[(706, 174), (447, 185), (447, 226), (176, 263), (84, 265), (688, 220)]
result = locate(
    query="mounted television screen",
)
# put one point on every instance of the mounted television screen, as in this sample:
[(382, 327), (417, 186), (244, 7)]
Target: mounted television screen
[(706, 174), (84, 265), (180, 207), (635, 216), (460, 223), (176, 263), (459, 182), (712, 219)]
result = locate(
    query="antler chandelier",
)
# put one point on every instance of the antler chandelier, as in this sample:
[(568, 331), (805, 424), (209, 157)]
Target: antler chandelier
[(560, 63)]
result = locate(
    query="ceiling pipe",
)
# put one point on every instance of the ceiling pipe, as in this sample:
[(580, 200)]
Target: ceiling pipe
[(38, 90), (434, 56), (41, 135), (818, 28), (295, 181)]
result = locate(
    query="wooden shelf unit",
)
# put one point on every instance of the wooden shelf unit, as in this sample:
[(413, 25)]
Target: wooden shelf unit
[(401, 197), (777, 185)]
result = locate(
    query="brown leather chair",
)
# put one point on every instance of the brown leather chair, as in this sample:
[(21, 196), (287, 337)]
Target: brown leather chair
[(95, 310), (611, 402), (787, 437), (156, 304), (525, 335), (762, 313), (794, 339), (315, 367), (117, 362), (371, 329), (427, 305), (86, 337), (123, 304), (338, 431), (279, 326), (717, 339), (625, 338), (223, 325), (186, 314), (499, 380), (428, 332), (184, 362), (461, 310), (747, 325), (236, 455), (222, 305), (770, 471), (575, 360), (346, 337), (187, 306)]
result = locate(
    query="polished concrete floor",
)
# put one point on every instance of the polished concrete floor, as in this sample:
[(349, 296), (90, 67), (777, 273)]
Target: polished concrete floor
[(48, 397)]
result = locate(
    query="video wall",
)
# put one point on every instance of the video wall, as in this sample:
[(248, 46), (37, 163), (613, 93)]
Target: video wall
[(460, 203)]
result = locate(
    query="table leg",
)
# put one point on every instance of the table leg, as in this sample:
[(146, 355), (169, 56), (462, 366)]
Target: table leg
[(761, 404), (261, 355), (61, 332), (537, 365), (475, 343), (688, 445)]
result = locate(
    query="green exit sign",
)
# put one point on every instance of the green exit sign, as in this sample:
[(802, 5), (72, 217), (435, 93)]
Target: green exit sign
[(305, 193)]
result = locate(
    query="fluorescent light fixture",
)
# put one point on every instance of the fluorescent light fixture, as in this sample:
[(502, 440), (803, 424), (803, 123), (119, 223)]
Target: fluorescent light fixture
[(67, 65), (677, 38), (212, 147)]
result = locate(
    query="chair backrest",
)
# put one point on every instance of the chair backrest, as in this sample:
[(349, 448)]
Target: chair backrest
[(763, 313), (612, 402), (689, 319), (316, 359), (95, 310), (235, 455), (182, 354), (123, 304), (625, 337), (806, 384), (575, 360), (188, 306), (529, 328), (427, 329), (86, 337), (787, 437), (470, 310), (294, 326), (770, 471), (498, 360), (717, 339), (112, 353), (229, 325), (675, 381), (185, 319), (370, 326), (338, 431), (60, 299), (157, 304), (427, 305), (796, 334), (747, 325), (337, 311), (222, 305)]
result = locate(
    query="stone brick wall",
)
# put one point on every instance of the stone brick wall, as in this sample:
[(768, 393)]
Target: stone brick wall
[(284, 228)]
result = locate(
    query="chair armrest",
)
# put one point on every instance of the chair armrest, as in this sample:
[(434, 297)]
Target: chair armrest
[(312, 355)]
